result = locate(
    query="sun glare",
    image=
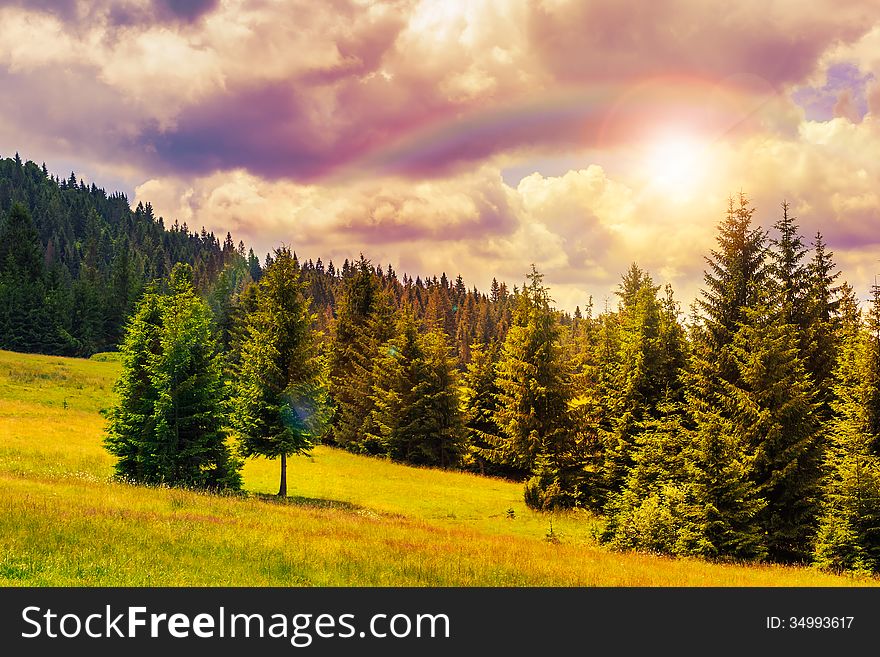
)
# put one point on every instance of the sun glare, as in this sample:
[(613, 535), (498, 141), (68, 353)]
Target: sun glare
[(675, 164)]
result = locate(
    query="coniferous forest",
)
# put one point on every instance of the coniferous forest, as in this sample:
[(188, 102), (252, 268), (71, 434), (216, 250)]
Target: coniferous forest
[(745, 427)]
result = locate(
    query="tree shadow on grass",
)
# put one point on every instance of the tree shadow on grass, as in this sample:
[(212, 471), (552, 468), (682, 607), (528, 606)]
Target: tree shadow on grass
[(310, 502)]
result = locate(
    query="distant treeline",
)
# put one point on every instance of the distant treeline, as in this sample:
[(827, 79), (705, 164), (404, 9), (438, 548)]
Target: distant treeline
[(74, 260)]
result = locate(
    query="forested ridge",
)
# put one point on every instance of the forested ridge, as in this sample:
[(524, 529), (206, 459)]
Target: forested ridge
[(745, 428), (75, 259)]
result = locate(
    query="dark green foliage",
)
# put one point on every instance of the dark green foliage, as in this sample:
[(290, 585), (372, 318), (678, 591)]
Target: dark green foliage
[(167, 427), (279, 404), (132, 423), (646, 374), (224, 298), (480, 403), (722, 520), (20, 252), (774, 413), (31, 302), (652, 510), (789, 273), (849, 530), (820, 341), (736, 277), (416, 415), (364, 321), (84, 257), (535, 392)]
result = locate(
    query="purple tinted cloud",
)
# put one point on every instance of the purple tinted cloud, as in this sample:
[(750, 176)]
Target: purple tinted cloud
[(263, 128), (608, 39), (123, 13), (844, 83)]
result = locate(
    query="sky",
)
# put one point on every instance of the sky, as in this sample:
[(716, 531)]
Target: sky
[(464, 137)]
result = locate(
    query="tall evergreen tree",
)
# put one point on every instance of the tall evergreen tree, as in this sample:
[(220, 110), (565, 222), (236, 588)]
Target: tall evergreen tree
[(647, 375), (736, 276), (533, 402), (279, 405), (167, 427), (417, 417), (189, 414), (747, 375), (364, 321), (789, 272), (774, 412), (480, 403), (849, 528), (820, 340), (131, 427)]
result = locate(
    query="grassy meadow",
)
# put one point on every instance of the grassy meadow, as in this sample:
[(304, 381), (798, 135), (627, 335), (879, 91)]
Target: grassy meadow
[(349, 521)]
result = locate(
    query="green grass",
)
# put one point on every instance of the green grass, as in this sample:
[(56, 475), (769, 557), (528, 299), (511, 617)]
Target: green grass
[(350, 520)]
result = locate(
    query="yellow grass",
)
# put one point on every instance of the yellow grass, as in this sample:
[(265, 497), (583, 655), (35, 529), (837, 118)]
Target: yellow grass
[(351, 520)]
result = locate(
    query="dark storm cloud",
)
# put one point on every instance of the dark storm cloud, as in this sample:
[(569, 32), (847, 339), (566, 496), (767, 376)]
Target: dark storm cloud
[(263, 128), (119, 13)]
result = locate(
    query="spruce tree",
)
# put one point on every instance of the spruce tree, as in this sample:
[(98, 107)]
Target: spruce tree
[(724, 503), (131, 427), (823, 305), (647, 372), (736, 276), (417, 416), (168, 424), (774, 413), (189, 435), (790, 274), (364, 321), (480, 403), (849, 529), (26, 321), (533, 413), (279, 405)]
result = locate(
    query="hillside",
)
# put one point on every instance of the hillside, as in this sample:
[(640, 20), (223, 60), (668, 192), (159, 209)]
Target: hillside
[(351, 520)]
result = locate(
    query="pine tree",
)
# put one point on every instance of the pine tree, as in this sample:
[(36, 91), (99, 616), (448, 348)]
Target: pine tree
[(773, 411), (417, 417), (365, 320), (823, 311), (735, 278), (849, 529), (533, 402), (480, 404), (26, 321), (747, 377), (254, 268), (167, 427), (650, 355), (789, 273), (188, 416), (130, 432), (722, 520), (279, 406)]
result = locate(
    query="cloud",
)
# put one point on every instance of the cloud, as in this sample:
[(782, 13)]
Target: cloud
[(779, 42), (384, 126), (124, 13), (582, 228), (418, 89), (843, 94)]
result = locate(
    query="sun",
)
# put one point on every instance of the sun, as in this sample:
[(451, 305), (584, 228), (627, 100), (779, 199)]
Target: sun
[(675, 164)]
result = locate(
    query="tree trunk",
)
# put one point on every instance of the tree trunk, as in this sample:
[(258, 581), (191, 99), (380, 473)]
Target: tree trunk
[(282, 490)]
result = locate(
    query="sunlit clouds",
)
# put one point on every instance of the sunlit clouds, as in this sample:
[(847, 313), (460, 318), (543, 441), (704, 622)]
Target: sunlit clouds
[(463, 137)]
